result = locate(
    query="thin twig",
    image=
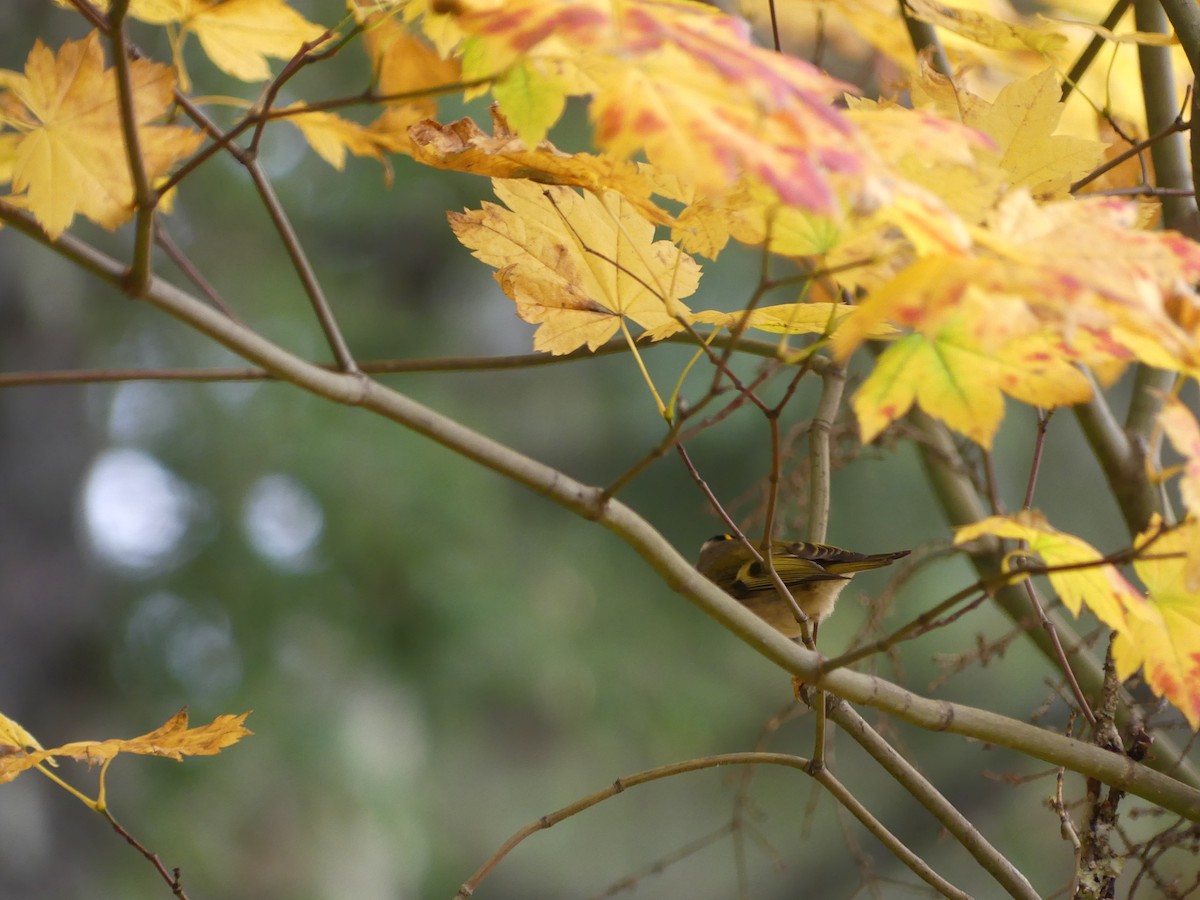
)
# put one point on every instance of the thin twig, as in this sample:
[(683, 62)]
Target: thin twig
[(374, 367), (1108, 165), (774, 26), (172, 878), (678, 435), (1035, 463), (300, 59), (660, 865), (300, 261), (1039, 446), (914, 862), (144, 197), (1063, 663), (825, 777), (224, 140)]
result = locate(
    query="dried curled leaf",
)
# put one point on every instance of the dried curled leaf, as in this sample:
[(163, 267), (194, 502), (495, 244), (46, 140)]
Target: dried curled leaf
[(174, 739)]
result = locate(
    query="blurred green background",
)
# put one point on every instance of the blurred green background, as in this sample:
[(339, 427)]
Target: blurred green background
[(434, 657)]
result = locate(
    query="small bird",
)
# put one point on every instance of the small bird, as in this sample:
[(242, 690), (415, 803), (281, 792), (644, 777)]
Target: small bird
[(814, 573)]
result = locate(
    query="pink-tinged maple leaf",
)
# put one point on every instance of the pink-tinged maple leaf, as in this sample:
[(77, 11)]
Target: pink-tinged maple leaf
[(1083, 268), (680, 82)]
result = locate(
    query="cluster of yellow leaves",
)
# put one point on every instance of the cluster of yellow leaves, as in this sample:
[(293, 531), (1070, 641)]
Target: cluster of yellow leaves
[(20, 751), (583, 267), (1065, 282), (407, 72), (972, 245), (61, 140), (993, 281), (1157, 633), (678, 81)]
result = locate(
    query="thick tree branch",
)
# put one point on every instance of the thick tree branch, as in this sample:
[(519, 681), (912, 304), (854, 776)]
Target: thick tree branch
[(906, 774), (833, 384), (1184, 16), (1122, 459)]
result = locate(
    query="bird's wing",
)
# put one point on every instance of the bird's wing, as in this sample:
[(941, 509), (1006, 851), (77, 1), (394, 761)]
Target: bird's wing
[(793, 570)]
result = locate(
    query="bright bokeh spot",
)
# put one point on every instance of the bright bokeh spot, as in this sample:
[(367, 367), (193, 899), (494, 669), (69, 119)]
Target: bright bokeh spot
[(136, 511), (283, 521)]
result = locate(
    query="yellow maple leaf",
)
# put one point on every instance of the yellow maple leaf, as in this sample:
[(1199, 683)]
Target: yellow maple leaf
[(750, 213), (1158, 633), (407, 70), (173, 740), (1110, 274), (402, 62), (237, 35), (1022, 121), (332, 137), (578, 266), (954, 162), (1163, 633), (959, 371), (1101, 587), (1181, 428), (8, 155), (71, 157)]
